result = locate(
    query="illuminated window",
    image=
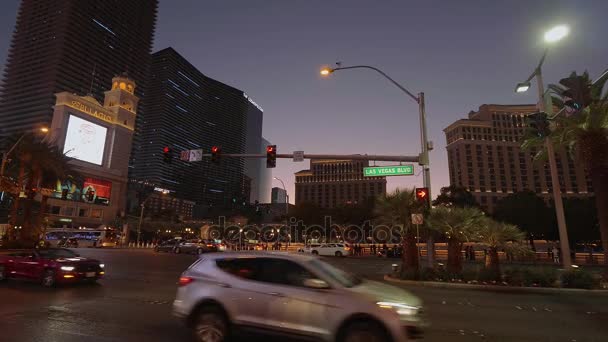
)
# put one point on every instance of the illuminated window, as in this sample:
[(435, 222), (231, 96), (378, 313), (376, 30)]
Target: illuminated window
[(96, 213), (123, 85)]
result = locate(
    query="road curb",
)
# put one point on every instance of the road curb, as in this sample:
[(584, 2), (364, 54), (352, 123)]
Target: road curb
[(492, 288)]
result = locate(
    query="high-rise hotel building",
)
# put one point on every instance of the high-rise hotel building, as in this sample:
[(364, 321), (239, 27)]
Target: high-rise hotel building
[(186, 110), (335, 183), (484, 156), (74, 46)]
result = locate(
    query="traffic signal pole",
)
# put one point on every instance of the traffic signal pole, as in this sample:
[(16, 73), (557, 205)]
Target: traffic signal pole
[(374, 157)]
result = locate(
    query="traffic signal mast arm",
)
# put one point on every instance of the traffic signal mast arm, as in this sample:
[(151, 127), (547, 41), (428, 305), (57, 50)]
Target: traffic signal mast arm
[(411, 159)]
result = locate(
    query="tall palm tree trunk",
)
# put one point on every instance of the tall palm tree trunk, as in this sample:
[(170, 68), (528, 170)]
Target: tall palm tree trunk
[(430, 251), (410, 257), (599, 180), (27, 233), (492, 262), (454, 256), (40, 220), (16, 203)]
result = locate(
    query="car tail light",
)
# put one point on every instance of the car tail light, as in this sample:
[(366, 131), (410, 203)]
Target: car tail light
[(183, 281), (209, 245), (347, 248)]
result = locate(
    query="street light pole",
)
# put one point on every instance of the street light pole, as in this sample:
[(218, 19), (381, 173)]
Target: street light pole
[(551, 36), (141, 215), (141, 218), (425, 144), (555, 186), (424, 155)]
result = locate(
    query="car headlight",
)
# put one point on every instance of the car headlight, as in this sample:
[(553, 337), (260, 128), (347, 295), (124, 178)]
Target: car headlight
[(400, 308), (102, 265), (67, 268)]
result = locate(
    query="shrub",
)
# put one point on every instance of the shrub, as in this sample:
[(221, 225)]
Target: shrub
[(544, 277), (487, 275), (430, 274), (579, 279), (410, 275)]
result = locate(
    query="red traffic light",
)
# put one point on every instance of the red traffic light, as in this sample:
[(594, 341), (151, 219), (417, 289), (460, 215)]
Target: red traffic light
[(214, 149), (166, 149), (271, 156)]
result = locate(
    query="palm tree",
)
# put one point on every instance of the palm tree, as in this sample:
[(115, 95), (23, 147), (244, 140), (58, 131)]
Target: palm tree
[(458, 225), (584, 133), (395, 210), (496, 236), (38, 166)]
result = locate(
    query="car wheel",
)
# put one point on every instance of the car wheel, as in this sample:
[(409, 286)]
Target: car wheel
[(364, 331), (2, 274), (177, 250), (48, 278), (338, 254), (210, 325), (315, 253), (199, 251)]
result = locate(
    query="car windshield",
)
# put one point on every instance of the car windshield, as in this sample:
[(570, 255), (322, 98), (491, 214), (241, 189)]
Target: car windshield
[(57, 253), (342, 277)]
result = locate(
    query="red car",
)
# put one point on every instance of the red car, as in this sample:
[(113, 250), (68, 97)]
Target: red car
[(49, 266)]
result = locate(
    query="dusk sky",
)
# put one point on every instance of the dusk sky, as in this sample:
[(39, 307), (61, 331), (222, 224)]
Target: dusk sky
[(460, 53)]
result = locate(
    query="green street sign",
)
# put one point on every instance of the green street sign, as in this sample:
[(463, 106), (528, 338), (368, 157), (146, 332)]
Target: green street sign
[(397, 170)]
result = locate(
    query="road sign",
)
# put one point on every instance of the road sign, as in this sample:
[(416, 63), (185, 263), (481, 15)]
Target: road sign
[(417, 219), (185, 155), (196, 155), (298, 156), (396, 170)]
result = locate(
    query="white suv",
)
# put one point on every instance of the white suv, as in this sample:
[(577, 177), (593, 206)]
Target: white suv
[(328, 249), (291, 295)]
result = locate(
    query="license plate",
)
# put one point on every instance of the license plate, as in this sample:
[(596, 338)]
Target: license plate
[(90, 274)]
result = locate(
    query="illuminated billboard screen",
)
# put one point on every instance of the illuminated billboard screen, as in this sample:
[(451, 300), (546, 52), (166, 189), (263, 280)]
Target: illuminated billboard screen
[(85, 140), (96, 191)]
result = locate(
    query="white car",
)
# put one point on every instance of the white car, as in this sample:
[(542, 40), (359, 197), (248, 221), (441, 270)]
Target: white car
[(328, 249), (291, 295)]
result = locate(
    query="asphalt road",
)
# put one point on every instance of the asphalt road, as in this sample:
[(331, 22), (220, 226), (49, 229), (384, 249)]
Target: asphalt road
[(133, 303)]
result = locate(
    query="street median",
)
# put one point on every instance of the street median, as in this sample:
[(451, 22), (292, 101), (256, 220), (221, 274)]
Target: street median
[(490, 287)]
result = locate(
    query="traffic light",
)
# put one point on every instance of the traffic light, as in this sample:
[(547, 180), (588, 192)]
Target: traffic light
[(578, 91), (271, 156), (167, 154), (538, 124), (216, 153), (422, 196)]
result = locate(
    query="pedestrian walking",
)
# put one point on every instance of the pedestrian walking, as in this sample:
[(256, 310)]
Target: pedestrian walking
[(555, 253)]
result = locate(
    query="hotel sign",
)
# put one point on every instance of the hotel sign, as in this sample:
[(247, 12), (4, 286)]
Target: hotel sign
[(91, 111), (398, 170)]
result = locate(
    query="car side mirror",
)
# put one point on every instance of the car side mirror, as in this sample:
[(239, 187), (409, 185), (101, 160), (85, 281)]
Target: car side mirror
[(316, 284)]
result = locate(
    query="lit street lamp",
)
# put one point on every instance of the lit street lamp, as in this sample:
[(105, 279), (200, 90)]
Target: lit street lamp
[(555, 34), (7, 153), (426, 145)]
